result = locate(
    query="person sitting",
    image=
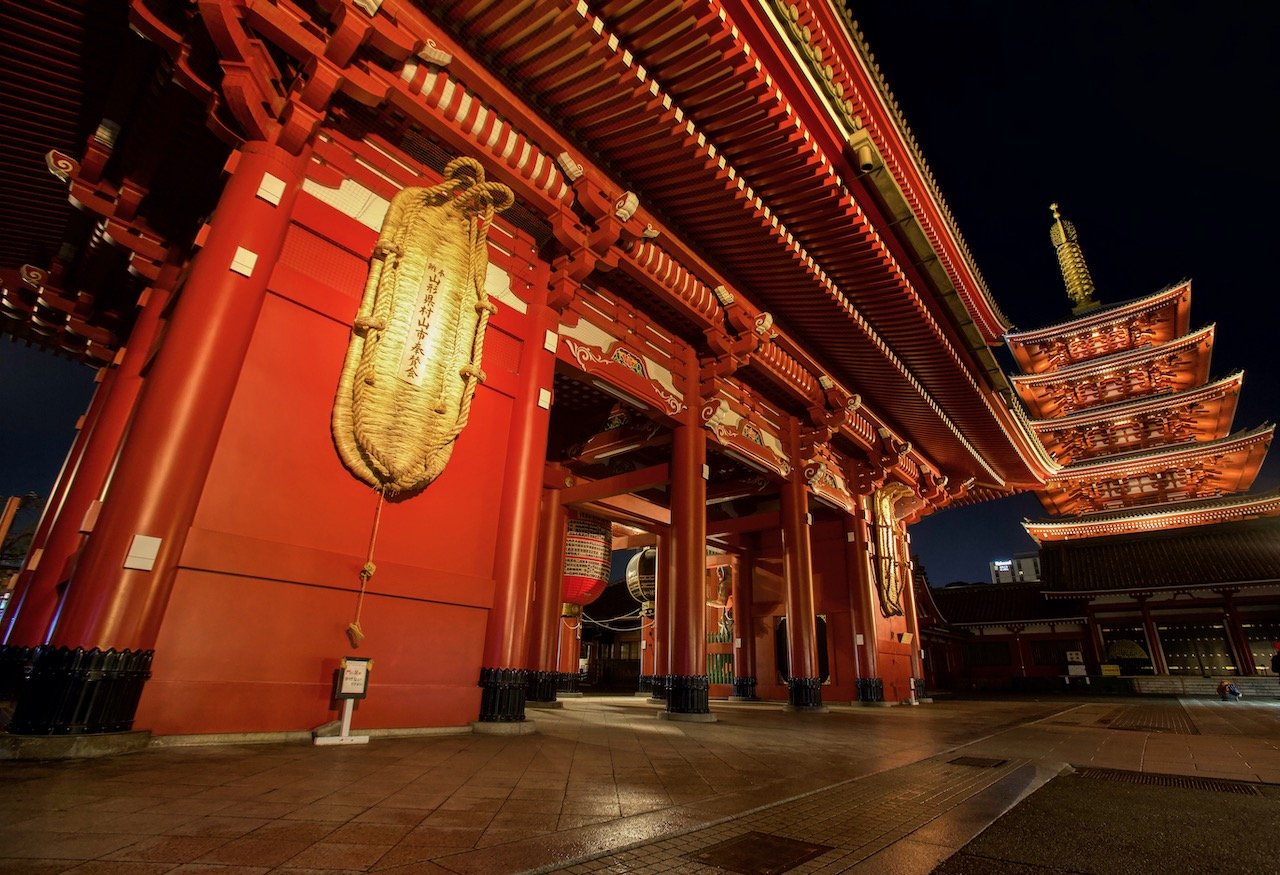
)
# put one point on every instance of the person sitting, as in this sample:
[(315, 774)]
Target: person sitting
[(1227, 691)]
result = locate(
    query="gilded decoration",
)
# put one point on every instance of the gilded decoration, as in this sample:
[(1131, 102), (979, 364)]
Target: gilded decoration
[(413, 361), (892, 570), (627, 370)]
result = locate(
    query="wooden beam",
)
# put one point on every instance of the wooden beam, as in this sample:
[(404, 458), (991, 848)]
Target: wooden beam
[(741, 525), (621, 484)]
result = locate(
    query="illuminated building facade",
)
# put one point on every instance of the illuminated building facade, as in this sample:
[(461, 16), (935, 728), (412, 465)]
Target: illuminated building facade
[(679, 267)]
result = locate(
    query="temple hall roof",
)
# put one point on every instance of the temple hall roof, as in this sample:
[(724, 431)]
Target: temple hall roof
[(1245, 552), (985, 604)]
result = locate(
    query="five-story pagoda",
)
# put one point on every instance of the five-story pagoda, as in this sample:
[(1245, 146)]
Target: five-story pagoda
[(1150, 524)]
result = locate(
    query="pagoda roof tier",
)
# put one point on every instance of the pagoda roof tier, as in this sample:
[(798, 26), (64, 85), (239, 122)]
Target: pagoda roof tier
[(1195, 469), (1239, 553), (1174, 515), (1147, 321), (1202, 414), (1169, 367)]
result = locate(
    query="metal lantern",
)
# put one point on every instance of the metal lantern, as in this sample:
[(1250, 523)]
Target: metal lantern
[(642, 578)]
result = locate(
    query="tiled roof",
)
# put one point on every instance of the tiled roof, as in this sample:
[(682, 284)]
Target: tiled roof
[(1247, 551), (998, 603)]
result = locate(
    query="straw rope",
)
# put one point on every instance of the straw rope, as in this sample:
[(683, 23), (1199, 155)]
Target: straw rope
[(417, 341)]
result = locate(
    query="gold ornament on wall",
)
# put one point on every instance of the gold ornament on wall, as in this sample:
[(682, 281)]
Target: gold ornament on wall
[(413, 361)]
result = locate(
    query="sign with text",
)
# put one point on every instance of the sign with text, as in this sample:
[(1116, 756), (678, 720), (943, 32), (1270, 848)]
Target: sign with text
[(1110, 671), (353, 678)]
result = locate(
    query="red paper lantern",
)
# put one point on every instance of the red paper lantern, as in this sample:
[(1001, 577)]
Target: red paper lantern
[(587, 552)]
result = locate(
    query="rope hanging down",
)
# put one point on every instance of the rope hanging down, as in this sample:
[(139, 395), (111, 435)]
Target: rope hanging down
[(354, 633)]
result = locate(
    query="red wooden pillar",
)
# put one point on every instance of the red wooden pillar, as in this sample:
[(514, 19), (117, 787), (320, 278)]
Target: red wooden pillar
[(569, 649), (548, 587), (687, 694), (913, 622), (804, 686), (646, 655), (1235, 634), (89, 483), (1156, 649), (744, 638), (1096, 647), (21, 632), (122, 583), (662, 617), (121, 586), (862, 601), (504, 670)]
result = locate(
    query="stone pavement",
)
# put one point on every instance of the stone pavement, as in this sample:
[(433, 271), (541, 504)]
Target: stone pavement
[(604, 786)]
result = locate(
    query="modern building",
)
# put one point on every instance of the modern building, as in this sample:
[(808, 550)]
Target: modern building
[(1022, 567), (385, 297)]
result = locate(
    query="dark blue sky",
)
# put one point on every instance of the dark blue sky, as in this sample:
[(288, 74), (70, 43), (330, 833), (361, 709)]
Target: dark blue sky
[(1148, 121)]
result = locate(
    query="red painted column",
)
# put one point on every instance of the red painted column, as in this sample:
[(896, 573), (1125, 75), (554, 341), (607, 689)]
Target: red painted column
[(646, 653), (913, 619), (569, 648), (1235, 634), (504, 669), (744, 636), (548, 588), (1158, 661), (804, 685), (1096, 646), (29, 634), (160, 475), (91, 477), (662, 617), (862, 595), (688, 693)]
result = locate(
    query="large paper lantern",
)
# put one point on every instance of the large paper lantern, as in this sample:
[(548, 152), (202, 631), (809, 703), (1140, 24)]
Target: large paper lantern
[(642, 578), (587, 551)]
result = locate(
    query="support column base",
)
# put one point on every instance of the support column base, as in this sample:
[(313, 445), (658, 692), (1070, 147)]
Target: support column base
[(502, 699), (67, 747), (804, 694), (688, 694), (658, 688), (567, 683), (744, 689), (687, 718), (541, 687), (65, 691), (870, 690), (524, 727)]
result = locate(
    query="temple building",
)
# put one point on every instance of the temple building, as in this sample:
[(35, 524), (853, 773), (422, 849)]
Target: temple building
[(1167, 568), (405, 316)]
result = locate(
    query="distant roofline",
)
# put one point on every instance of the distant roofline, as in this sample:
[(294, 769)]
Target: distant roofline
[(1170, 587)]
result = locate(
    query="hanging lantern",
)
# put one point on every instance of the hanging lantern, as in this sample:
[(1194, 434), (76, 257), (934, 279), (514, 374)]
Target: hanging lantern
[(587, 551), (642, 578)]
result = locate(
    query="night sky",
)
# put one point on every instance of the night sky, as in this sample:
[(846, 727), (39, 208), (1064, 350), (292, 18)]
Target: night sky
[(1147, 121)]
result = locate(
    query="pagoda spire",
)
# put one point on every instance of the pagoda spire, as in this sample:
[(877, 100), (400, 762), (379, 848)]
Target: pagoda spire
[(1075, 271)]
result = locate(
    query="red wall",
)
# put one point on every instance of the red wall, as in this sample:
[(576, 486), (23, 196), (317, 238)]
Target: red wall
[(269, 576)]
